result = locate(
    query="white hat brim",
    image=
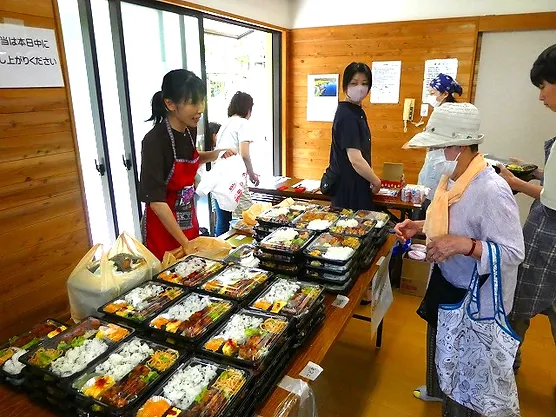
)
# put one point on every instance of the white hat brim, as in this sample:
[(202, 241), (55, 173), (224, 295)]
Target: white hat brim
[(432, 140)]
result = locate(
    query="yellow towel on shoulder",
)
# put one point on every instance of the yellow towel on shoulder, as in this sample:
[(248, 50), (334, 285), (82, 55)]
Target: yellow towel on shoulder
[(437, 221)]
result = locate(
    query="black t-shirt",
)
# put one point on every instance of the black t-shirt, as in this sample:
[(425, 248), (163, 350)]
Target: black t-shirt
[(350, 130), (157, 159)]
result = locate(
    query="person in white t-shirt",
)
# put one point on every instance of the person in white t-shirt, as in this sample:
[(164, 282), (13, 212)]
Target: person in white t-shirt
[(237, 134), (536, 283)]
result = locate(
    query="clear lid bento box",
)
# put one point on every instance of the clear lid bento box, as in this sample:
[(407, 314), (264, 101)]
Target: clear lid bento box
[(333, 248), (237, 283), (287, 240), (191, 271), (192, 317)]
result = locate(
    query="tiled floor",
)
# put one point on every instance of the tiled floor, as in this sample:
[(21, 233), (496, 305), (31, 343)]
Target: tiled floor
[(360, 381)]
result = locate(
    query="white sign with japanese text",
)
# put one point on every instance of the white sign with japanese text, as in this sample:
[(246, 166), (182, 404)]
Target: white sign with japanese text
[(29, 58)]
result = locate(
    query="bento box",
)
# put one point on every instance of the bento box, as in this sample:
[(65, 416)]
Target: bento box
[(283, 216), (351, 226), (139, 305), (118, 383), (333, 248), (191, 271), (241, 253), (263, 255), (319, 221), (283, 268), (319, 265), (11, 369), (191, 318), (59, 359), (287, 240), (329, 278), (249, 338), (237, 283), (343, 212), (381, 219), (288, 298), (199, 388)]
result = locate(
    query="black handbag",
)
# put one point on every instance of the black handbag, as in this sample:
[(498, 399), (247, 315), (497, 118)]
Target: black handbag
[(329, 182)]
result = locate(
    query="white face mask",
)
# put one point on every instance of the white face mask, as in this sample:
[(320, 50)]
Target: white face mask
[(357, 93), (441, 164), (433, 101)]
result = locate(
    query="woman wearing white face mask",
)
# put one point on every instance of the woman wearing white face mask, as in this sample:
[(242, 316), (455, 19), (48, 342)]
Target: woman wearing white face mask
[(354, 181), (442, 90), (471, 206)]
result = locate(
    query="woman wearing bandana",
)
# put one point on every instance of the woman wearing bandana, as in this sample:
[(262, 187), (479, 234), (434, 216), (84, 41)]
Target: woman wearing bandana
[(170, 162), (441, 90), (350, 153)]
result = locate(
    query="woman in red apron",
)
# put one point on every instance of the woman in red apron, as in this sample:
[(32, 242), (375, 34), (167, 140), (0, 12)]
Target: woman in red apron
[(170, 162)]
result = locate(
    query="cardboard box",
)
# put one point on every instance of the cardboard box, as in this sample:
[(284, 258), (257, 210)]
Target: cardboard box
[(415, 275)]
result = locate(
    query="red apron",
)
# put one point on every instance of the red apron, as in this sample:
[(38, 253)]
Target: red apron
[(180, 196)]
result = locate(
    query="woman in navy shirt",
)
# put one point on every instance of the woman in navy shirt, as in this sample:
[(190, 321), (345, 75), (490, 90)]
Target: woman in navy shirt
[(350, 154)]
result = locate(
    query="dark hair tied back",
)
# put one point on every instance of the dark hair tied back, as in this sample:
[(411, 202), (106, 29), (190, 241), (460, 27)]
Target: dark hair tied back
[(179, 86)]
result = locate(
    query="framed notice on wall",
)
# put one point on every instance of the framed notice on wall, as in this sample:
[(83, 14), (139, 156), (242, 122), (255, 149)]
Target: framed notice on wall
[(322, 97), (29, 57)]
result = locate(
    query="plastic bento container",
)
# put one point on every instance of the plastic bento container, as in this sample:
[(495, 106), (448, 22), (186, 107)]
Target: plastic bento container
[(289, 298), (140, 304), (190, 272), (62, 357), (326, 277), (123, 378), (381, 218), (198, 387), (287, 240), (191, 318), (323, 248), (319, 221), (343, 212), (351, 226), (11, 370), (264, 255), (284, 268), (332, 268), (249, 338), (240, 253), (283, 216), (237, 283)]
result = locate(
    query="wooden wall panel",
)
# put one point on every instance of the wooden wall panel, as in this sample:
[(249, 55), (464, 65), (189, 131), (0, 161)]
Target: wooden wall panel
[(331, 49), (43, 225)]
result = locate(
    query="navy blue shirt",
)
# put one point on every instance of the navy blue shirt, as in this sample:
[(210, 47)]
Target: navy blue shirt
[(350, 130)]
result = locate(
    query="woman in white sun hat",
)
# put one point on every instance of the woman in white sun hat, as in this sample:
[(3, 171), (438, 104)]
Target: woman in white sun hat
[(472, 206)]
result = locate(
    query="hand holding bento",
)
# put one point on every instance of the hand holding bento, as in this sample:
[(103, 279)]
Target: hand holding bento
[(507, 175), (407, 229), (443, 247)]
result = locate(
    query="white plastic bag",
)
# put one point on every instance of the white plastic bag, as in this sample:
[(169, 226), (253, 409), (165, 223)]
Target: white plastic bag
[(226, 181), (87, 291), (300, 402), (102, 276)]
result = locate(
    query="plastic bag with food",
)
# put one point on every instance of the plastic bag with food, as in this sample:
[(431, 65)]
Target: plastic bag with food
[(131, 262), (91, 284), (300, 401), (101, 276)]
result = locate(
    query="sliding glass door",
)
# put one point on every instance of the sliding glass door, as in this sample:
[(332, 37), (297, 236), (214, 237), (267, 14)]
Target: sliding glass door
[(118, 51)]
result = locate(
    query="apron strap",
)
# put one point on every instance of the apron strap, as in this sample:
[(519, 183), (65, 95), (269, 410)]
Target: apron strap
[(172, 139)]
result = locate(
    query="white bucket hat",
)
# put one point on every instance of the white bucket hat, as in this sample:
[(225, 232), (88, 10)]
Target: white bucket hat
[(452, 124)]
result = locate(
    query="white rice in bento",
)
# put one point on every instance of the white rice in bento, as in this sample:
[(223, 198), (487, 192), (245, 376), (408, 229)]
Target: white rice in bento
[(281, 290), (139, 296), (13, 366), (189, 306), (188, 383), (235, 329), (120, 363), (76, 359)]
